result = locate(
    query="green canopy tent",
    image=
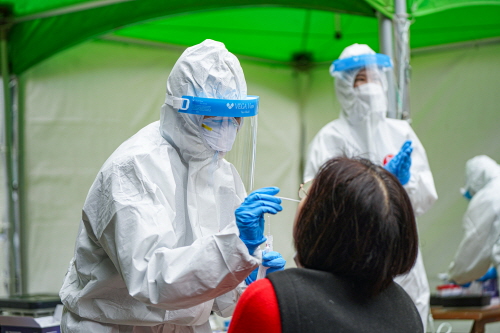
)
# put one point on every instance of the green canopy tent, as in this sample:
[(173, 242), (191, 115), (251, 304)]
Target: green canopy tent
[(42, 28), (288, 33)]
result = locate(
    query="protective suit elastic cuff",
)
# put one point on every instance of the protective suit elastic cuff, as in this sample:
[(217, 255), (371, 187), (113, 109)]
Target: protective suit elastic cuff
[(253, 245)]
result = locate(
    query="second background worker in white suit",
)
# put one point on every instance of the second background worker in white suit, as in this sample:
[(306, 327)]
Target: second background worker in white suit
[(364, 131), (480, 246)]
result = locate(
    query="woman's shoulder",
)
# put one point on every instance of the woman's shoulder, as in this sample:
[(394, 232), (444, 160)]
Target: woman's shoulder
[(257, 310), (258, 293)]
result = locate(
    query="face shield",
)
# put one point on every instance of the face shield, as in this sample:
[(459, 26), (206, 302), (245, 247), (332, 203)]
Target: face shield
[(361, 84), (227, 126)]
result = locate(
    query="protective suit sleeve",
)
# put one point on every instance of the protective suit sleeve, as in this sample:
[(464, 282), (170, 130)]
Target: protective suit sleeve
[(420, 188), (224, 305), (473, 257), (140, 240), (416, 285), (490, 274)]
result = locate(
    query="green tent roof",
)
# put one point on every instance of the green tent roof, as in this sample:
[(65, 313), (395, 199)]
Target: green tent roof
[(273, 31)]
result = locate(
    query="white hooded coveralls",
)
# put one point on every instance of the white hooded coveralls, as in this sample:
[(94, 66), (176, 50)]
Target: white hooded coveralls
[(377, 138), (480, 246), (158, 246)]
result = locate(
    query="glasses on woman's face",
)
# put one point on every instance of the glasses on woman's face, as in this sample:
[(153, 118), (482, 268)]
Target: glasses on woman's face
[(304, 189)]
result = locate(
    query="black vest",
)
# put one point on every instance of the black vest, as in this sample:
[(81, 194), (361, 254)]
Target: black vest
[(313, 301)]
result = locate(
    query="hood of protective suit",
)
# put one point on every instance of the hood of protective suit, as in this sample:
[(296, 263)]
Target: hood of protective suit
[(365, 103), (206, 70), (479, 171)]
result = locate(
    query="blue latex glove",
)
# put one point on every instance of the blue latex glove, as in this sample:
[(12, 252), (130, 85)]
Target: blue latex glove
[(490, 274), (400, 164), (467, 194), (250, 215), (273, 260)]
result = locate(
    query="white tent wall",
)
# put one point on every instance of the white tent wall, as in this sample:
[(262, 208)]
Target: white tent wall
[(82, 103)]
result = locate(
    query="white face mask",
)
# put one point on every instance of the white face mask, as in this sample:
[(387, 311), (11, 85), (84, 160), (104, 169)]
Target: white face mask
[(220, 132), (370, 98)]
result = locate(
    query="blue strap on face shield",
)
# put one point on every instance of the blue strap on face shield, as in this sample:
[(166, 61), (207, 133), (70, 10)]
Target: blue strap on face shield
[(220, 107), (363, 60)]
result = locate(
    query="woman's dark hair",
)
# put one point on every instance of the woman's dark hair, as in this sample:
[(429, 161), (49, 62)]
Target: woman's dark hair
[(357, 222)]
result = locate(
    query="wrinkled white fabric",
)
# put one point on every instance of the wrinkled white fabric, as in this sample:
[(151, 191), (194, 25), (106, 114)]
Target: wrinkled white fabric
[(377, 138), (355, 50), (480, 246), (158, 246)]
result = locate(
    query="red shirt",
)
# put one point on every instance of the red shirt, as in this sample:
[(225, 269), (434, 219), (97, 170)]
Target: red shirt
[(257, 310)]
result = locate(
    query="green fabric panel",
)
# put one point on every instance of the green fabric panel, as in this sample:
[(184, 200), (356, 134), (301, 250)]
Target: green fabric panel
[(274, 34), (386, 7), (271, 33), (455, 25), (26, 7), (426, 7), (34, 41)]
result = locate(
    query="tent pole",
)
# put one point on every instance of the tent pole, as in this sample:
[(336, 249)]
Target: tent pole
[(386, 47), (15, 280), (402, 58)]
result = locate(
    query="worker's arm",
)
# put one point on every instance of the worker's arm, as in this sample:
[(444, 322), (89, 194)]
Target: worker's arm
[(420, 188), (473, 257), (140, 237)]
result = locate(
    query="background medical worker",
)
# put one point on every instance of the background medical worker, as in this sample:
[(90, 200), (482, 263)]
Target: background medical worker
[(363, 130), (160, 245), (480, 246)]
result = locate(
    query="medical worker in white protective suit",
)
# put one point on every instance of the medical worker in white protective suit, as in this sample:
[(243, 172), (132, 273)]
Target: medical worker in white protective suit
[(364, 131), (160, 245), (480, 246)]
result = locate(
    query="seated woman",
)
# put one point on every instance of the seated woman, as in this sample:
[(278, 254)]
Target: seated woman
[(354, 232)]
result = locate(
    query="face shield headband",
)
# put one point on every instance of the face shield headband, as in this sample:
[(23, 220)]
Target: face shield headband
[(215, 107), (364, 60)]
